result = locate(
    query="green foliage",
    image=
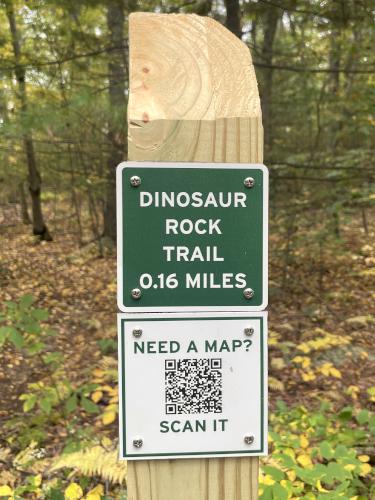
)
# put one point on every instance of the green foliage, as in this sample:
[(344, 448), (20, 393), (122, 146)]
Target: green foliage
[(107, 346), (22, 325), (54, 397), (30, 488), (315, 454)]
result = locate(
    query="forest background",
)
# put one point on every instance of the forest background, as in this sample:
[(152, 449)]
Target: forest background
[(63, 98)]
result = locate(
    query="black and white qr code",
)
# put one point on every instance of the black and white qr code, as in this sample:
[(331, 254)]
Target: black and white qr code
[(193, 386)]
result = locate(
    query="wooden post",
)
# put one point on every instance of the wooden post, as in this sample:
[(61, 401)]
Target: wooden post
[(193, 97)]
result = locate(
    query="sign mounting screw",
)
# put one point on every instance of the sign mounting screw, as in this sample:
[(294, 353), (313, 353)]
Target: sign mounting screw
[(248, 439), (136, 293), (249, 182), (137, 442), (248, 331), (248, 293), (137, 332), (135, 181)]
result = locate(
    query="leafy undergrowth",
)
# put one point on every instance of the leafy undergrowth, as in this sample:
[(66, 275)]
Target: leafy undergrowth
[(58, 371), (319, 454)]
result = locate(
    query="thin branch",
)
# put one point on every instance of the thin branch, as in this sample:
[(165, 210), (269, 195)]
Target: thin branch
[(301, 69)]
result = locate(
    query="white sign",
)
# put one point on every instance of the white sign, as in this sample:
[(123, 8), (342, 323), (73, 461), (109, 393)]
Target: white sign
[(192, 385)]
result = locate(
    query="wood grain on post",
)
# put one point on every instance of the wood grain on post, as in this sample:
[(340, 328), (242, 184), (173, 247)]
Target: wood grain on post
[(193, 97)]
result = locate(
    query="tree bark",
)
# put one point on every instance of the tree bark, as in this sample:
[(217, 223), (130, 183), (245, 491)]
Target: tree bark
[(271, 19), (23, 200), (334, 82), (117, 101), (233, 19), (34, 180)]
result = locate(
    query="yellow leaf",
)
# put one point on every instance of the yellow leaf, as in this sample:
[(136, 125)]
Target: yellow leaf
[(307, 376), (298, 359), (112, 407), (304, 441), (284, 483), (268, 480), (306, 362), (304, 348), (325, 369), (365, 469), (107, 388), (353, 391), (364, 458), (6, 491), (108, 417), (335, 372), (291, 475), (96, 493), (106, 442), (303, 360), (38, 480), (289, 452), (73, 492), (304, 460), (96, 396), (349, 467), (98, 372)]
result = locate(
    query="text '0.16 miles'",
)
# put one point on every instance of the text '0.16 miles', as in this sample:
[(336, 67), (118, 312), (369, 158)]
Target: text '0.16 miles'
[(193, 280)]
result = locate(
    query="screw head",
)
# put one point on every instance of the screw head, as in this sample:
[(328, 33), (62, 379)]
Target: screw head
[(248, 293), (135, 181), (137, 442), (249, 182), (248, 331), (248, 439), (137, 332), (136, 293)]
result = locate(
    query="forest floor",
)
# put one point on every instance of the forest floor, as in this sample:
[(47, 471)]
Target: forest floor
[(321, 320)]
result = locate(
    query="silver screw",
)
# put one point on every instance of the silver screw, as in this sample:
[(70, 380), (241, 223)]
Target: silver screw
[(136, 293), (249, 439), (135, 181), (248, 293), (137, 442), (137, 332), (249, 182), (248, 331)]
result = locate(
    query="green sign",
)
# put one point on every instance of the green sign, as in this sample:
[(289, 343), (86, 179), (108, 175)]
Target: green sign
[(192, 236)]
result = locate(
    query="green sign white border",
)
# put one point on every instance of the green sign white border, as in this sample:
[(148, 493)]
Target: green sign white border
[(211, 166), (263, 366)]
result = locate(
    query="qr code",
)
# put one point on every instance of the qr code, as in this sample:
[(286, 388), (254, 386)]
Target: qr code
[(193, 386)]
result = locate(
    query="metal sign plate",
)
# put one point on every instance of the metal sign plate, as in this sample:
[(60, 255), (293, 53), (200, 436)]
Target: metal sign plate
[(192, 385), (192, 237)]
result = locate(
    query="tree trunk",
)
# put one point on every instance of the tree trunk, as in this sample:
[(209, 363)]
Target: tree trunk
[(23, 201), (271, 19), (34, 179), (334, 65), (233, 20), (117, 120)]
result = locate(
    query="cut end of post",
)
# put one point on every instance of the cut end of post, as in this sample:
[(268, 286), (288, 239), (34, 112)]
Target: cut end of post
[(187, 67), (193, 90)]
